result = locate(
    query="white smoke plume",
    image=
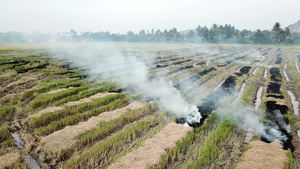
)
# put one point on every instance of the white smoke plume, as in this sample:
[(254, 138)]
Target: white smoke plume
[(249, 119), (126, 69)]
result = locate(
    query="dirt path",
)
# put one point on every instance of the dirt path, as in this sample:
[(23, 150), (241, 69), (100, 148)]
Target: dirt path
[(263, 155), (258, 97), (266, 73), (8, 159), (150, 152), (66, 138), (81, 101)]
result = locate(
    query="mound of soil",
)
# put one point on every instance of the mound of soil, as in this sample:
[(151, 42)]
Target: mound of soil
[(8, 159), (263, 155), (150, 152)]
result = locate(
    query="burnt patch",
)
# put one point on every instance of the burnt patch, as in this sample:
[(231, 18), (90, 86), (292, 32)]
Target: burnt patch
[(278, 60), (167, 65), (245, 69), (242, 57), (229, 84), (180, 62), (14, 62), (201, 63), (279, 129), (275, 74), (171, 72), (275, 96), (24, 70), (116, 91), (221, 65), (82, 76), (186, 83), (254, 62), (273, 88), (194, 125), (66, 65), (272, 105)]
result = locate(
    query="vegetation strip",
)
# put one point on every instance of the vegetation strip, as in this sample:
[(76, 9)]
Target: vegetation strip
[(98, 154), (209, 151), (193, 138), (76, 118), (60, 143), (44, 99), (48, 118)]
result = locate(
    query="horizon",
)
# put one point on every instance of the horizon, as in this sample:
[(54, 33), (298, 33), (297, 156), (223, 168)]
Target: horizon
[(119, 17)]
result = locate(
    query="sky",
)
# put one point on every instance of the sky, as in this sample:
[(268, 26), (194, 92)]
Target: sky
[(120, 16)]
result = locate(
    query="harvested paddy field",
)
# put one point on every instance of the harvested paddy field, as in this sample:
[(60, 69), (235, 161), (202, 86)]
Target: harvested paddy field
[(129, 105)]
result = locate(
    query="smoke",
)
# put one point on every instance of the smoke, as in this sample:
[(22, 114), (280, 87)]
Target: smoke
[(126, 68), (250, 119)]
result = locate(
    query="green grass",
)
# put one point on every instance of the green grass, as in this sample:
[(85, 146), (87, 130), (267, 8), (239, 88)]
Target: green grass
[(73, 110), (84, 94), (209, 152), (295, 75), (106, 128), (100, 152), (76, 118), (6, 112), (51, 84), (4, 133), (5, 138), (45, 99), (250, 88)]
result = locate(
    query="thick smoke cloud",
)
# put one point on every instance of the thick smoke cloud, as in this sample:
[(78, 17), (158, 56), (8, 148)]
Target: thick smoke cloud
[(128, 69)]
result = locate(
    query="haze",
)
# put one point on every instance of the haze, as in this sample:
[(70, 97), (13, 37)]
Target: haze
[(119, 16)]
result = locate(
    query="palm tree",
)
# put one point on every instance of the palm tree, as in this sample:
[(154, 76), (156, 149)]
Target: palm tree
[(277, 33)]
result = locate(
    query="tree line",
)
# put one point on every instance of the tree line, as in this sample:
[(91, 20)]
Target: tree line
[(202, 34)]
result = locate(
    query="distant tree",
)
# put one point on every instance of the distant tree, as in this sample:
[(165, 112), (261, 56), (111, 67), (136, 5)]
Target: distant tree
[(258, 37), (142, 35), (191, 36), (131, 37), (287, 34), (277, 33)]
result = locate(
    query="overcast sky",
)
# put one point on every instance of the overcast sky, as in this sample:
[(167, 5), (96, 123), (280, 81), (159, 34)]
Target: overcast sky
[(120, 16)]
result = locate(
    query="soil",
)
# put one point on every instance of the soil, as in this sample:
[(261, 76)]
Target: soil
[(262, 155), (150, 152)]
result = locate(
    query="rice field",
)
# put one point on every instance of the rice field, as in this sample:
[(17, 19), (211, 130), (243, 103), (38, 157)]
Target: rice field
[(70, 113)]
